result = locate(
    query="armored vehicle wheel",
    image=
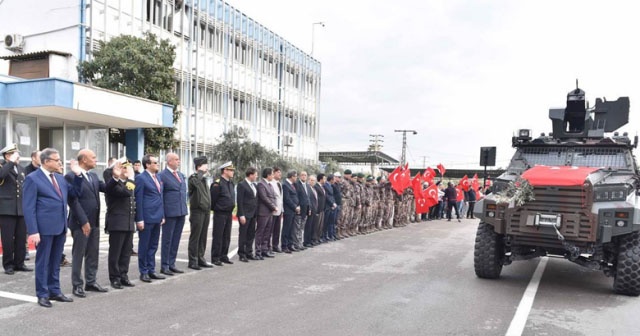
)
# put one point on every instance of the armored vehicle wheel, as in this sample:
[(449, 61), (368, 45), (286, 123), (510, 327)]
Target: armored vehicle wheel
[(627, 279), (489, 252)]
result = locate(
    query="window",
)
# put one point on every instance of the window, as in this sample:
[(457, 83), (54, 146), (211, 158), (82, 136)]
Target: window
[(25, 133), (154, 11), (167, 17), (3, 129), (75, 137)]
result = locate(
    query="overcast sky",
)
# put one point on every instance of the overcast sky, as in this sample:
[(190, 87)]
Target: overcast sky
[(462, 73)]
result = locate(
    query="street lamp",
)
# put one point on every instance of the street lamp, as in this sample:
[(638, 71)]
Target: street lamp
[(404, 143), (313, 33)]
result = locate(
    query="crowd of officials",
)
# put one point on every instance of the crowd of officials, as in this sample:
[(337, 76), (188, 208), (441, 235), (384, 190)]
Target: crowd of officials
[(276, 213)]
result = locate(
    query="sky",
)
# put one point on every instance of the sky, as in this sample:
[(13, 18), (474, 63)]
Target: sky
[(462, 73)]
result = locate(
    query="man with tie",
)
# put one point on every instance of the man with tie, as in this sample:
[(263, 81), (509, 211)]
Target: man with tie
[(313, 212), (84, 223), (266, 206), (318, 222), (301, 219), (12, 227), (274, 242), (200, 206), (223, 202), (247, 200), (329, 211), (45, 212), (149, 217), (174, 196), (291, 211)]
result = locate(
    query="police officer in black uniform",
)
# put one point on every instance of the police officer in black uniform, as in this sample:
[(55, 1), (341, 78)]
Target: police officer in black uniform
[(12, 227), (223, 202)]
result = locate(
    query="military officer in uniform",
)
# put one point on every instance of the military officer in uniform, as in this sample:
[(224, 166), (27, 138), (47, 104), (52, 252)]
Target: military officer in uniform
[(12, 225), (223, 202), (200, 206)]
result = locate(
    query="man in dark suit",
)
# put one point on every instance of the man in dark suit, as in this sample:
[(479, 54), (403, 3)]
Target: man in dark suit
[(45, 213), (35, 163), (329, 210), (200, 206), (175, 210), (313, 212), (120, 219), (267, 204), (302, 188), (247, 200), (149, 217), (318, 223), (84, 223), (223, 202), (12, 227), (291, 211)]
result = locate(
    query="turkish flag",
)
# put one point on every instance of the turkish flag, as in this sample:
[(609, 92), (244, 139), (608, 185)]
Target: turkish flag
[(464, 183), (429, 174), (405, 177), (475, 184), (422, 206), (416, 185), (459, 194), (393, 178), (441, 169), (431, 195)]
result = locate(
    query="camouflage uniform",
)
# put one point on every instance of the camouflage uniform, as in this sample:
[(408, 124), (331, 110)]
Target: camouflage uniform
[(357, 213), (347, 205)]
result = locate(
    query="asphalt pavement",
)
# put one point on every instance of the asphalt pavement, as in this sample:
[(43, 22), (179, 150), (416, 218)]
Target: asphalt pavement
[(413, 280)]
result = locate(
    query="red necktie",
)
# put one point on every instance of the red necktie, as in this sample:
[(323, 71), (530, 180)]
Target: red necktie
[(175, 173), (55, 185), (156, 181)]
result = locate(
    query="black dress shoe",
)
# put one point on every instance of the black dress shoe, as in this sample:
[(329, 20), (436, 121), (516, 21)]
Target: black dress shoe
[(253, 257), (165, 272), (205, 265), (286, 251), (156, 277), (60, 298), (217, 263), (44, 302), (78, 291), (24, 268), (95, 288), (259, 257), (195, 267), (127, 283), (9, 271), (175, 270), (227, 261), (116, 284), (268, 255), (244, 259), (145, 278), (277, 250)]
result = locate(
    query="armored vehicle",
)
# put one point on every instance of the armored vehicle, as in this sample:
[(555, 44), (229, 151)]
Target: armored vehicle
[(573, 193)]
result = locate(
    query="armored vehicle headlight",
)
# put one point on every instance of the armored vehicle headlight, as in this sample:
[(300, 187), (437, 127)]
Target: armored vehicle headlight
[(620, 223), (491, 214), (610, 195)]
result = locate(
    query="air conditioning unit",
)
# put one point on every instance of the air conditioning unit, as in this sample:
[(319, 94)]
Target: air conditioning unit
[(288, 141), (14, 42), (243, 132)]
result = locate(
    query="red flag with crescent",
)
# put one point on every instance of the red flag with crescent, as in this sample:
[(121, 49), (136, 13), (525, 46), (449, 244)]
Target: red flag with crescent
[(431, 195), (441, 169), (395, 182), (416, 185), (421, 205), (464, 183), (475, 184), (429, 174), (405, 177), (459, 194)]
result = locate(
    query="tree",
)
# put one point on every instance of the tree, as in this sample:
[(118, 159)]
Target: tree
[(141, 67)]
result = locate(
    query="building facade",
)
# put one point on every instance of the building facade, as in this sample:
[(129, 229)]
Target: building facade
[(231, 72)]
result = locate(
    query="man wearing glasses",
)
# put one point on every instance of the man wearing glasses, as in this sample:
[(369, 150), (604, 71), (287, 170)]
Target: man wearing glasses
[(149, 217)]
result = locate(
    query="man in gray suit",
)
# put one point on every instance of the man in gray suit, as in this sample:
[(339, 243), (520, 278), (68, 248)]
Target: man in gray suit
[(267, 204)]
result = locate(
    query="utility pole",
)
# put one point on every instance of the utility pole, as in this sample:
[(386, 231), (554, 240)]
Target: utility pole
[(403, 160), (375, 147), (424, 161)]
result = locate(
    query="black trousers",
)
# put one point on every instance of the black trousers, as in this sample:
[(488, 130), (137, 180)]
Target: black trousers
[(246, 236), (221, 236), (14, 236), (287, 228), (318, 225), (275, 235), (452, 205), (199, 221), (308, 228), (472, 204), (120, 247), (85, 251)]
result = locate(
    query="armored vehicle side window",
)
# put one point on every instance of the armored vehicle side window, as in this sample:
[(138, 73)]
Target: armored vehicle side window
[(600, 157), (544, 156)]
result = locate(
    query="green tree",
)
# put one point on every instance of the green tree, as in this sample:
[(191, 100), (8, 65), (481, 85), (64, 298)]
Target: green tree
[(141, 67)]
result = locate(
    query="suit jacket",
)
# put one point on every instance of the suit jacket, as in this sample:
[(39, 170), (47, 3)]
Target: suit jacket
[(322, 197), (303, 197), (267, 199), (149, 205), (11, 188), (45, 212), (121, 205), (85, 208), (30, 169), (246, 201), (313, 200), (174, 194), (329, 192), (289, 198)]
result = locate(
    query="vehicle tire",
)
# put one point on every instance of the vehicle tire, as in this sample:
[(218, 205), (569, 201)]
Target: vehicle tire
[(627, 278), (489, 252)]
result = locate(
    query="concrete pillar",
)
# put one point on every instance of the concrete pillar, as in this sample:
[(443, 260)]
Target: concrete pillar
[(134, 142)]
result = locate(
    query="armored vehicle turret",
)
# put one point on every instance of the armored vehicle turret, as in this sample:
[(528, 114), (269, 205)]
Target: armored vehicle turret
[(573, 193)]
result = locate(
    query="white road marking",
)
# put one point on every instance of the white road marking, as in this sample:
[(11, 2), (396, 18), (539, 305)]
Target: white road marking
[(524, 308), (20, 297)]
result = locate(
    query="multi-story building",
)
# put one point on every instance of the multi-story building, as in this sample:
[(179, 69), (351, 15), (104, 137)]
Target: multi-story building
[(232, 73)]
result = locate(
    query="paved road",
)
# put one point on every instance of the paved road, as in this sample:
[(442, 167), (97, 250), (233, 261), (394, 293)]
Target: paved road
[(416, 280)]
